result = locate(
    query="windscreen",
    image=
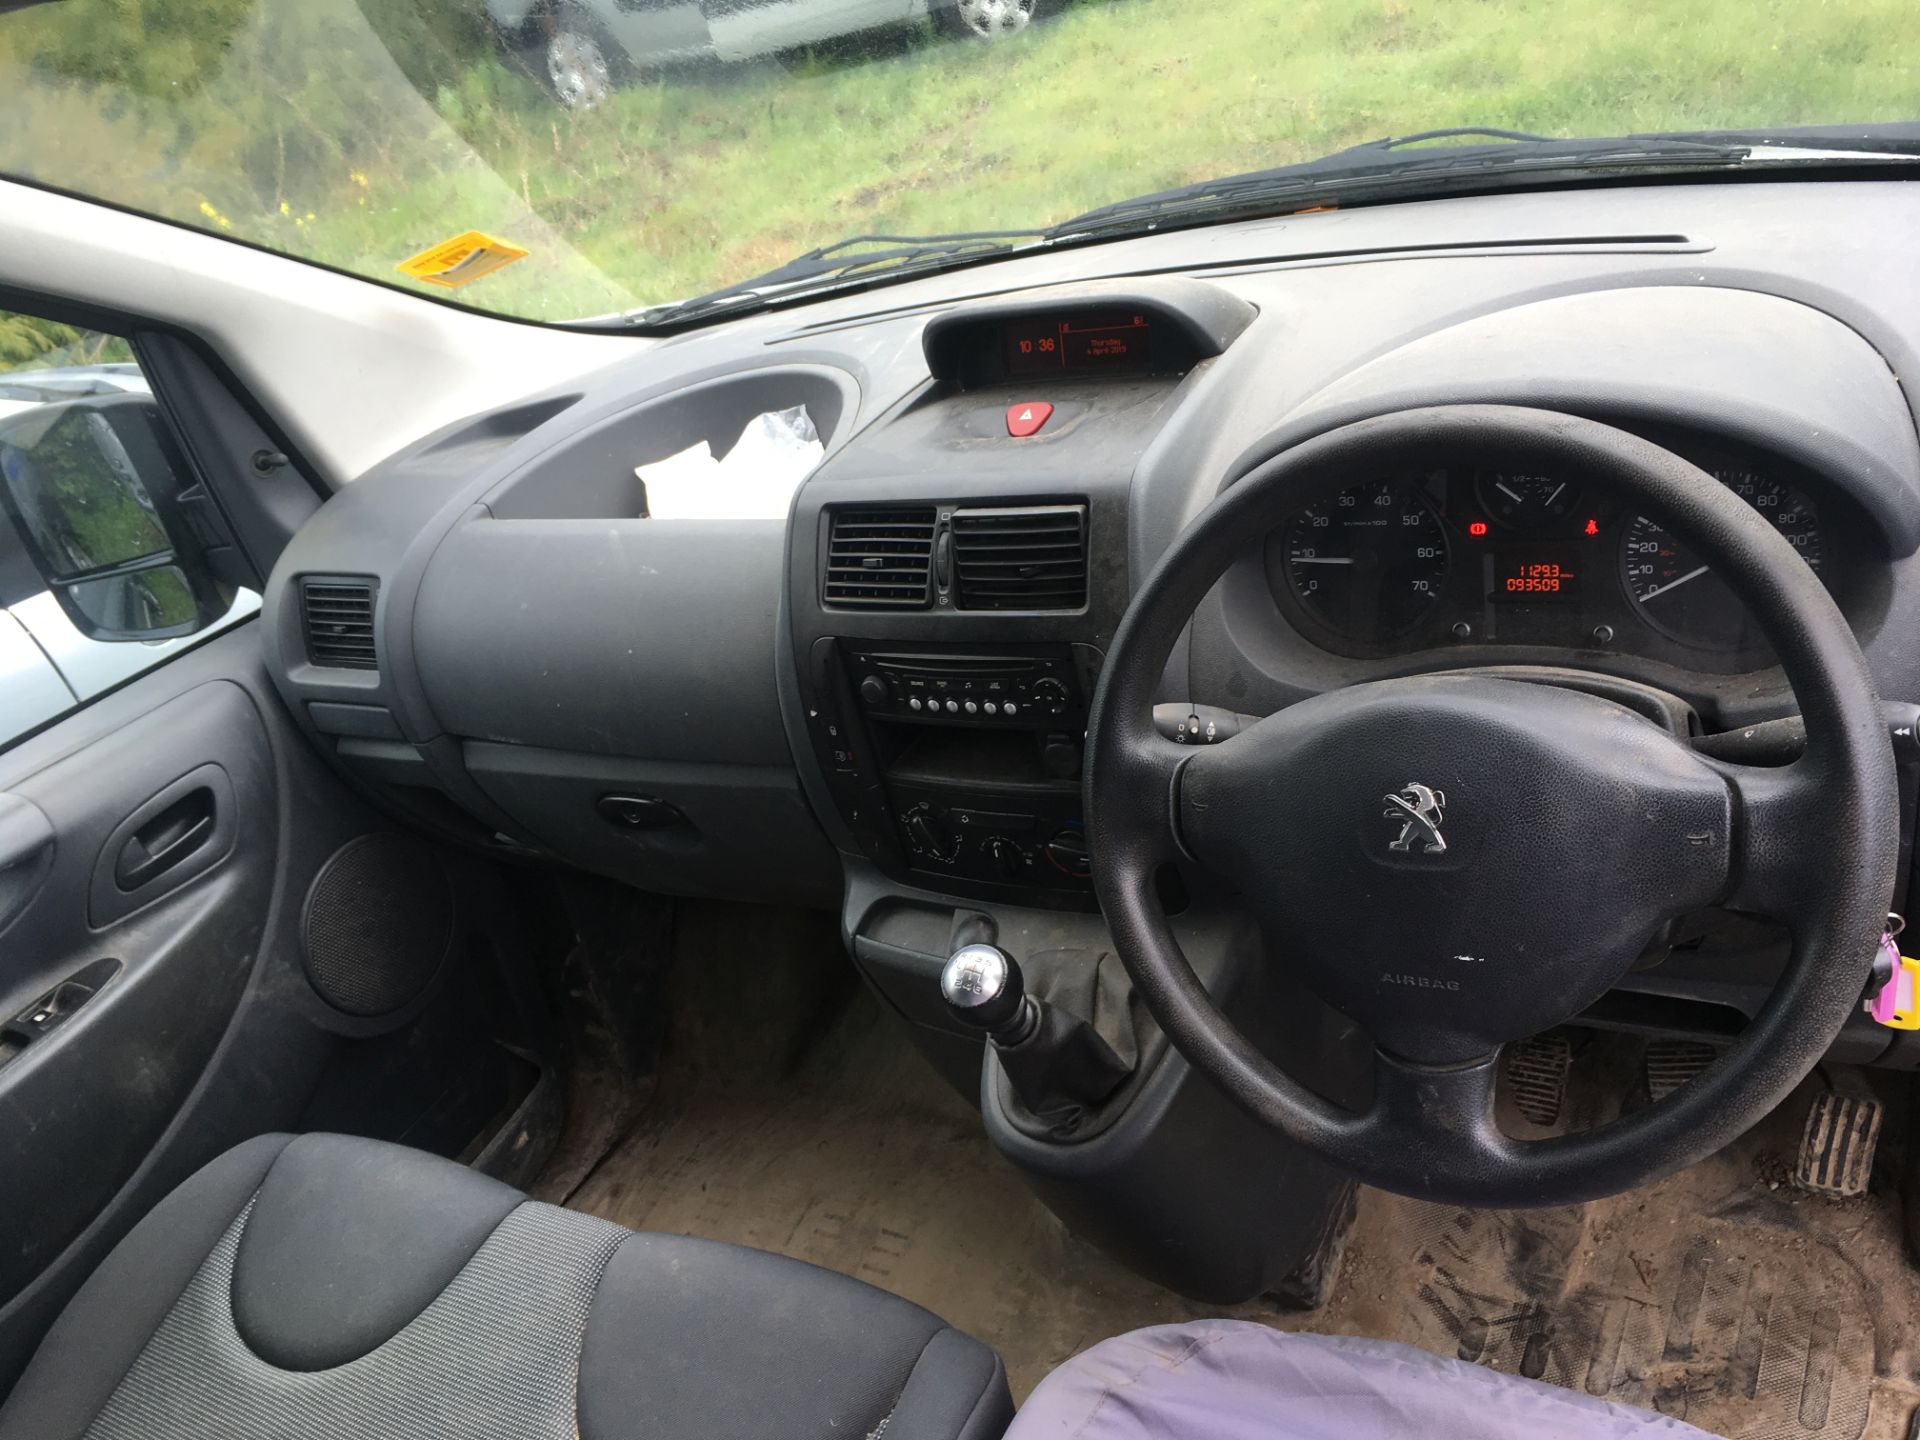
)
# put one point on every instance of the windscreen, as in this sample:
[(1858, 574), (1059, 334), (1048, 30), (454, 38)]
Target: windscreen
[(560, 159)]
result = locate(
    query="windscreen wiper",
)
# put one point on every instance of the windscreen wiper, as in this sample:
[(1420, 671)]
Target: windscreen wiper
[(1394, 168), (1389, 168), (844, 264), (1897, 140)]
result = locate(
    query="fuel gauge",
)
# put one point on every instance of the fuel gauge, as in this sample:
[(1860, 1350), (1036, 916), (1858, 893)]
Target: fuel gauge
[(1530, 502)]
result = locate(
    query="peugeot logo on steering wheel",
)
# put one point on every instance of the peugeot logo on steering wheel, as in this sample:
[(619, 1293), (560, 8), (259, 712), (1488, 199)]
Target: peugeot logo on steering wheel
[(1420, 809)]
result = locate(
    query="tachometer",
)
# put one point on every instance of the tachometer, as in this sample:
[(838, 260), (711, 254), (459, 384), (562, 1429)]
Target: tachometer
[(1368, 563), (1679, 594)]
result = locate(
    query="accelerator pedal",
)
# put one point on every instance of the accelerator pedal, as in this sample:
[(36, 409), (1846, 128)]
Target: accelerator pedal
[(1537, 1076), (1836, 1148), (1672, 1063)]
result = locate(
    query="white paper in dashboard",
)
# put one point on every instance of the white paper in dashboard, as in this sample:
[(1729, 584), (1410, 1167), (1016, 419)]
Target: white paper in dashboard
[(755, 481)]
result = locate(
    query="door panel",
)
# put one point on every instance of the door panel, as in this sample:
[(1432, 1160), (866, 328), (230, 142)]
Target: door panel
[(157, 847), (163, 824), (85, 1098)]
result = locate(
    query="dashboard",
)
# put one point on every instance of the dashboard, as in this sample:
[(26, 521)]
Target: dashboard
[(878, 700), (1497, 555)]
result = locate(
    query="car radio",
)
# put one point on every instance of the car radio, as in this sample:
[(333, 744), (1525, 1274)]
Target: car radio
[(1032, 691), (959, 766)]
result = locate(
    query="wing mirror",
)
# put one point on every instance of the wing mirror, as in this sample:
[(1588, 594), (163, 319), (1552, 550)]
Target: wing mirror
[(103, 504)]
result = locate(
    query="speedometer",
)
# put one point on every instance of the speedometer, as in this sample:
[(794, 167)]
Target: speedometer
[(1676, 591), (1368, 563)]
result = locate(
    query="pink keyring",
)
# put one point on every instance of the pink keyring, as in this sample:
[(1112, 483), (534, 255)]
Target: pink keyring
[(1896, 996)]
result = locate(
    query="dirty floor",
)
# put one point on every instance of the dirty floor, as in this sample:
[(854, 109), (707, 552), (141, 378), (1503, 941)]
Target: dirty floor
[(1722, 1295)]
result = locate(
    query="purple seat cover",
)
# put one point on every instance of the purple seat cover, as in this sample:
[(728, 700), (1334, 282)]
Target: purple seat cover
[(1234, 1380)]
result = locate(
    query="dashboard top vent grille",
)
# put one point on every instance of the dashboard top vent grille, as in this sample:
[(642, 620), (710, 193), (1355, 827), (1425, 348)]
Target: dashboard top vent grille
[(338, 613), (1026, 558), (881, 559)]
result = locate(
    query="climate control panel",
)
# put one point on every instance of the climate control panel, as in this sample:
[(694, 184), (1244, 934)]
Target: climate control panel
[(1033, 840)]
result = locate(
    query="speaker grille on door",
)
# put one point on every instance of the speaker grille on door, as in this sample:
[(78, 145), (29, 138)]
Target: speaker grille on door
[(379, 922)]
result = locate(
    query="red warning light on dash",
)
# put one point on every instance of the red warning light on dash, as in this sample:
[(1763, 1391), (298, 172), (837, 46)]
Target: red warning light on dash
[(1476, 528)]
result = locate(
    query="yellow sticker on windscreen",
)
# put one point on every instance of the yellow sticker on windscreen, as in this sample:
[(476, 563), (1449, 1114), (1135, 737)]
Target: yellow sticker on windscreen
[(461, 260)]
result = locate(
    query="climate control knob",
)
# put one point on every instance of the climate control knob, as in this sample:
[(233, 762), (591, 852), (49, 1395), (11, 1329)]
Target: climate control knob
[(1006, 856), (1068, 851), (929, 834)]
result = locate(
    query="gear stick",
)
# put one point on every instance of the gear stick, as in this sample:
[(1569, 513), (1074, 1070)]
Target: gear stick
[(984, 989), (1059, 1066)]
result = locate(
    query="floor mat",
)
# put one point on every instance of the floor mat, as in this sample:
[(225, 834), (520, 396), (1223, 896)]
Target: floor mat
[(1721, 1296)]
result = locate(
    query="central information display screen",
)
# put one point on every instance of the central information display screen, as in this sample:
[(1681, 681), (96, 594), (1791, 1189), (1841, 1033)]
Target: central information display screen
[(1118, 343), (1534, 573)]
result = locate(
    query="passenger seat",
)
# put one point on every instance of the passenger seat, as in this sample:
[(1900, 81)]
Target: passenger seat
[(318, 1287)]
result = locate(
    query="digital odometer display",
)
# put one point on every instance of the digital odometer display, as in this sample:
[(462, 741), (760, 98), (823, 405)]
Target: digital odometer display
[(1534, 573), (1117, 343)]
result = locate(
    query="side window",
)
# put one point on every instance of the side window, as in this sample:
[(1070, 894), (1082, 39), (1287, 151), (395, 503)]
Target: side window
[(112, 556)]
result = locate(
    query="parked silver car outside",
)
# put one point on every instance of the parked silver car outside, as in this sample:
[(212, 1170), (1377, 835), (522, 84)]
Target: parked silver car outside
[(584, 48)]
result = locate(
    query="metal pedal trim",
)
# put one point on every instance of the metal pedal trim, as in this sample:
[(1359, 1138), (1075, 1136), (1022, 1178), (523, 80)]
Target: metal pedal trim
[(1672, 1063), (1838, 1144), (1537, 1076)]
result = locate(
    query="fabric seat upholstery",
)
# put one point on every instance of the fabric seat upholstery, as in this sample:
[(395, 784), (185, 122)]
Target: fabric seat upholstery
[(1235, 1380), (318, 1287)]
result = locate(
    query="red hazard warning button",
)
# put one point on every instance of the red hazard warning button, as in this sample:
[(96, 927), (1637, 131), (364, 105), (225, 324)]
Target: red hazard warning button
[(1026, 419)]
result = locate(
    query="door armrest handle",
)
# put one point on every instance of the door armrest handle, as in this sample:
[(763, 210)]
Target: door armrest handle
[(164, 841)]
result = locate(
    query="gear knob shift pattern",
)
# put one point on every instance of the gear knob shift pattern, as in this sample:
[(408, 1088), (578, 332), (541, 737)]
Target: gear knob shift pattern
[(984, 989)]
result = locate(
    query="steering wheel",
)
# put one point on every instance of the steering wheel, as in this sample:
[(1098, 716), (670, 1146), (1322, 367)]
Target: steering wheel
[(1457, 861)]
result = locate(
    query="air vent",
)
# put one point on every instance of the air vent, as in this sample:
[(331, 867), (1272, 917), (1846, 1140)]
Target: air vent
[(1032, 558), (339, 620), (881, 559)]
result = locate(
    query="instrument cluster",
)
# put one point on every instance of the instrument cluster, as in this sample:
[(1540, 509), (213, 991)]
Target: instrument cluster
[(1398, 563)]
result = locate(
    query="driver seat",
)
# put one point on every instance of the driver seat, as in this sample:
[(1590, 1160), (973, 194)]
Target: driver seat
[(1235, 1380), (329, 1288)]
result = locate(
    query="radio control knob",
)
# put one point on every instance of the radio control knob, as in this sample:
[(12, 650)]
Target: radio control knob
[(874, 690), (1049, 694)]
